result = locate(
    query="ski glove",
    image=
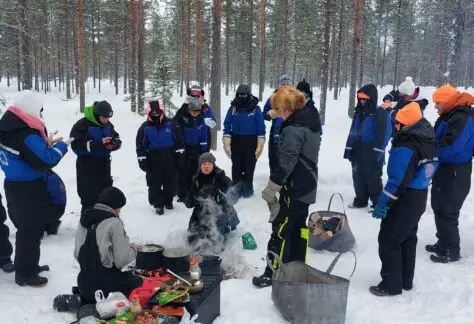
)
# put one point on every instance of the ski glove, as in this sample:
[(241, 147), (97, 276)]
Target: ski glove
[(270, 191), (382, 207), (226, 140), (260, 144), (274, 209), (210, 122), (143, 165)]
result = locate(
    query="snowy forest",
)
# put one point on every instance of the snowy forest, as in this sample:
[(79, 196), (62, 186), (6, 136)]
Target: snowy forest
[(148, 48)]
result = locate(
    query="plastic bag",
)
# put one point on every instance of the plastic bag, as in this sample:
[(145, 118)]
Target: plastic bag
[(187, 319), (107, 307)]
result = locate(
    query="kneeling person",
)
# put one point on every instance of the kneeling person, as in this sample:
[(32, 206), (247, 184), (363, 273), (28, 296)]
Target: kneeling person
[(103, 249)]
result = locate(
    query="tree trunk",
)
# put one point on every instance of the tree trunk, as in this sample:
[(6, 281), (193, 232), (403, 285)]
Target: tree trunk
[(99, 50), (339, 50), (355, 54), (183, 45), (333, 45), (67, 51), (250, 44), (198, 43), (228, 7), (133, 57), (216, 68), (25, 44), (116, 67), (380, 4), (126, 48), (188, 43), (325, 61), (81, 51), (397, 44), (94, 50), (382, 78), (457, 30), (261, 83), (361, 70), (140, 59)]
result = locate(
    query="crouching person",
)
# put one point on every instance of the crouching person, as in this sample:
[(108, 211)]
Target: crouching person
[(411, 166), (102, 249), (211, 197)]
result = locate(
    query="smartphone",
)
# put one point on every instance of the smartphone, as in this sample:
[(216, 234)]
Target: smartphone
[(68, 141)]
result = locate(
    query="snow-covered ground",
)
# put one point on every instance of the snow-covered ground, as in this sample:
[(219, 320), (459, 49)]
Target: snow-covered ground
[(442, 293)]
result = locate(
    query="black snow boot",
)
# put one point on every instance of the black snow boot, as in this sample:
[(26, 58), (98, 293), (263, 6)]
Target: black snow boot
[(52, 228), (433, 248), (169, 206), (356, 206), (445, 256), (159, 210), (381, 292), (65, 303), (262, 281), (33, 281)]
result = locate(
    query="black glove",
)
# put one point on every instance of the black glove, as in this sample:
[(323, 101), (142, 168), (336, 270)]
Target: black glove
[(114, 144), (143, 165), (423, 103)]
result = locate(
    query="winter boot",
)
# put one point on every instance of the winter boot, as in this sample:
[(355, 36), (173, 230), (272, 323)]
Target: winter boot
[(169, 206), (8, 267), (445, 256), (262, 281), (52, 228), (159, 210), (381, 292), (356, 206), (407, 286), (65, 303), (33, 281), (433, 248)]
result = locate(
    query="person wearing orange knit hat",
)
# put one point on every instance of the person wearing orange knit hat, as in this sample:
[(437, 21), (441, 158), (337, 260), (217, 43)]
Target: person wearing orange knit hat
[(452, 183), (411, 165)]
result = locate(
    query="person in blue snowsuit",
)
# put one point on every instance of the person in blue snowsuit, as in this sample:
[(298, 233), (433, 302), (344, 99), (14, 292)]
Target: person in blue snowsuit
[(57, 199), (365, 147), (411, 165), (284, 81), (206, 112), (194, 133), (160, 153), (455, 147), (94, 140), (244, 138), (26, 154)]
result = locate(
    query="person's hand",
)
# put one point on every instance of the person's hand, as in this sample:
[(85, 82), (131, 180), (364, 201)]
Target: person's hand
[(52, 140), (106, 140), (270, 191)]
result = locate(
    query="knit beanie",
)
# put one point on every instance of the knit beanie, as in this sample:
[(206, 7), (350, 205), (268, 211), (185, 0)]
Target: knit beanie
[(30, 102), (112, 197), (409, 115), (103, 109), (304, 87), (444, 94), (407, 87), (284, 79), (206, 157)]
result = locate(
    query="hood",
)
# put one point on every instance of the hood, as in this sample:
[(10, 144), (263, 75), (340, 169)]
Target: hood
[(371, 91), (155, 105), (249, 105), (420, 134), (308, 117), (13, 120), (89, 114), (96, 214)]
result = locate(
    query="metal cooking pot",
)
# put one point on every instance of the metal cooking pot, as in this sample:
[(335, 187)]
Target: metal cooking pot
[(149, 257), (176, 259)]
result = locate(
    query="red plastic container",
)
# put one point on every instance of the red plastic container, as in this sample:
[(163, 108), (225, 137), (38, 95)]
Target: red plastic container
[(147, 290)]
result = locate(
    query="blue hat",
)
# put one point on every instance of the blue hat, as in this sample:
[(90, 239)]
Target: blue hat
[(284, 79)]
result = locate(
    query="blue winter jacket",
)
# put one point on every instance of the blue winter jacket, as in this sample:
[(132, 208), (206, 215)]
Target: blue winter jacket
[(193, 129), (455, 136), (370, 131), (412, 162), (56, 189), (24, 153), (244, 119), (152, 136)]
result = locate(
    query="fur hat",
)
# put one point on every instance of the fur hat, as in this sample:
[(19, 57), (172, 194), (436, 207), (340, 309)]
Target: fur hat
[(30, 102), (407, 87), (112, 197)]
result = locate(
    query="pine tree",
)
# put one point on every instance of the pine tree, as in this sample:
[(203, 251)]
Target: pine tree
[(162, 83)]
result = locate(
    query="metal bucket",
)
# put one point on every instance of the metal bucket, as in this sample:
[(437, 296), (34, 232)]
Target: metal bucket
[(305, 295)]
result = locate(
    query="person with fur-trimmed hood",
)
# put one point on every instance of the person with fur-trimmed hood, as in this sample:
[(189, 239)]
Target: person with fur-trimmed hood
[(244, 138), (269, 115), (194, 132), (455, 146), (411, 165), (295, 180), (212, 198), (160, 153), (206, 111), (94, 139), (103, 249), (26, 154), (369, 135)]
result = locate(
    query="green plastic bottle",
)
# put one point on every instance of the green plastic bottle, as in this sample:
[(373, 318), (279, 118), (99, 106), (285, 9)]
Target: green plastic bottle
[(248, 241)]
